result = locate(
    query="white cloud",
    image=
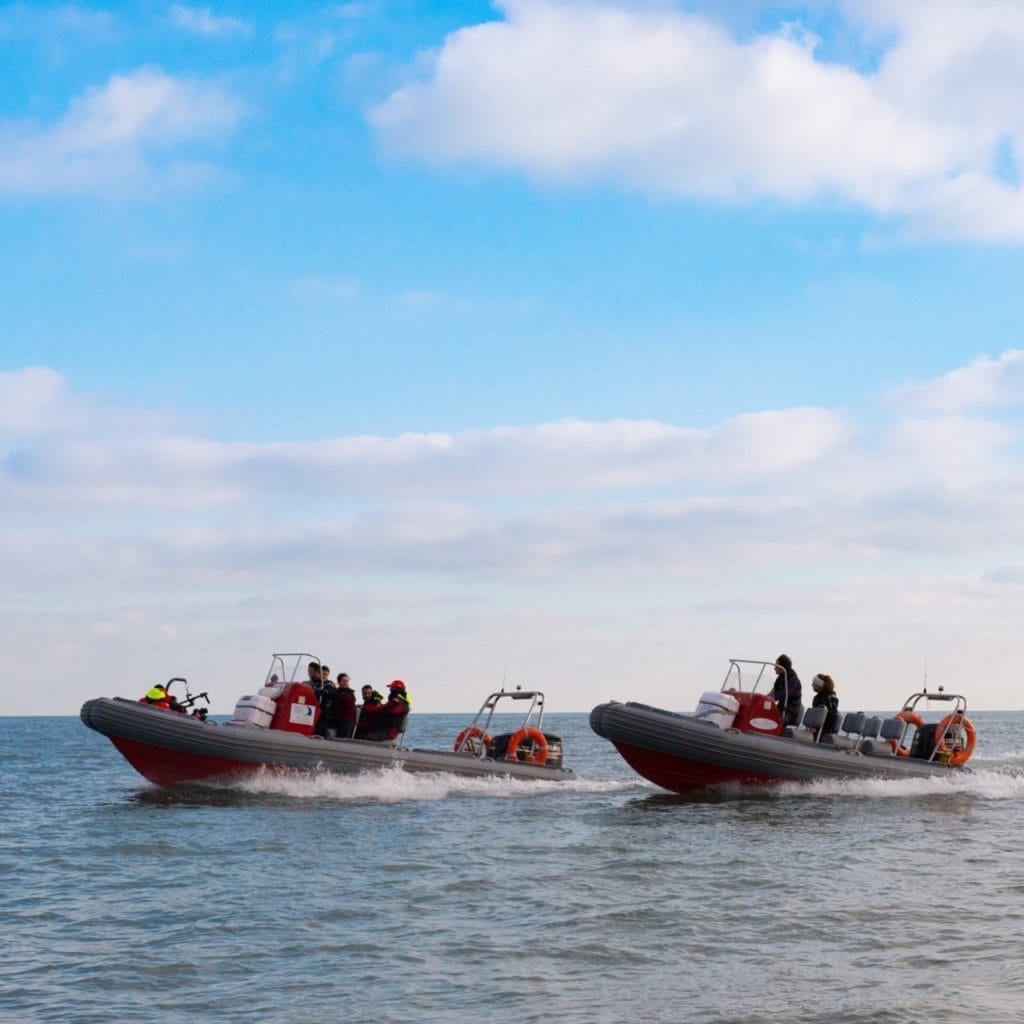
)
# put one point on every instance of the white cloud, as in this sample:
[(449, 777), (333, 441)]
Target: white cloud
[(570, 455), (29, 399), (568, 542), (127, 134), (203, 22), (984, 383), (669, 102)]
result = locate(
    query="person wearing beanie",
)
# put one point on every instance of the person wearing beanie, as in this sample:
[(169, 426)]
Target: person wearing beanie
[(787, 691)]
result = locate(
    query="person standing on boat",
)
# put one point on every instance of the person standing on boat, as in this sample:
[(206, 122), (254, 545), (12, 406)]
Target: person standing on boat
[(314, 682), (824, 688), (787, 691), (345, 711), (328, 700)]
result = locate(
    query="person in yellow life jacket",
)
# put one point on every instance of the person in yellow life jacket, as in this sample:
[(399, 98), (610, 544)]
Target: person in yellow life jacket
[(160, 697), (157, 696), (390, 722)]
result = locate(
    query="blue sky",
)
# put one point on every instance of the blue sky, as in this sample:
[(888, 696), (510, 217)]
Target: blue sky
[(581, 344)]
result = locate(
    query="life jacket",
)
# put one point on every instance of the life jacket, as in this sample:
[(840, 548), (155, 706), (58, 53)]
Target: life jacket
[(158, 697), (392, 715), (368, 716)]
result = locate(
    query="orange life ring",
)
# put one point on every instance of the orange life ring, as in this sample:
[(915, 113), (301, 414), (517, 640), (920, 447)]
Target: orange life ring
[(956, 757), (538, 755), (465, 740), (911, 718)]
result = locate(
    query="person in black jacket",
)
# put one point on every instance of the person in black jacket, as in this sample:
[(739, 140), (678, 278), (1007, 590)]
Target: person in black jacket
[(315, 681), (328, 700), (824, 688), (787, 691)]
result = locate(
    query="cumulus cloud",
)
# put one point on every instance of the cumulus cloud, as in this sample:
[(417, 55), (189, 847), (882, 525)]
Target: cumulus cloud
[(984, 383), (203, 22), (572, 493), (138, 131), (571, 455), (118, 526), (29, 399), (670, 102)]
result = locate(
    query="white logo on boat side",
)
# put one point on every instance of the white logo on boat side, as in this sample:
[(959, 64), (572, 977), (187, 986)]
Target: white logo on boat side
[(301, 714), (762, 724)]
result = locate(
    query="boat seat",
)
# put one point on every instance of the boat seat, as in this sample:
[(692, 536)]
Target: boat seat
[(853, 723), (878, 737), (892, 729), (814, 719), (852, 727), (842, 742), (877, 748)]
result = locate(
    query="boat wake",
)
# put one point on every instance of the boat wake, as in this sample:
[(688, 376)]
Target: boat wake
[(983, 783), (392, 786)]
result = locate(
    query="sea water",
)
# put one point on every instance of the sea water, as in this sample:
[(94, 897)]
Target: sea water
[(391, 898)]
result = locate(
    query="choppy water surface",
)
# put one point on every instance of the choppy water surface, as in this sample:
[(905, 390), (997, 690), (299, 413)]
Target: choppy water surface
[(393, 898)]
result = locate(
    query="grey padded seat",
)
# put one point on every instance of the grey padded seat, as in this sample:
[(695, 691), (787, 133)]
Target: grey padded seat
[(889, 729), (852, 726), (872, 727), (814, 719), (892, 729), (853, 722)]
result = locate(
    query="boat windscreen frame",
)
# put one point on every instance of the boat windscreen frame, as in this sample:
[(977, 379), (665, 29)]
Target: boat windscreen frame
[(279, 666), (735, 672)]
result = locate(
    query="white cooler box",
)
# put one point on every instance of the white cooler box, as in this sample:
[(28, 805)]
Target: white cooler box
[(719, 708), (254, 709)]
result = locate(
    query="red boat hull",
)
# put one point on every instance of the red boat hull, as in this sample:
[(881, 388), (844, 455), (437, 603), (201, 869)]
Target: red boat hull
[(168, 749), (682, 774), (166, 767)]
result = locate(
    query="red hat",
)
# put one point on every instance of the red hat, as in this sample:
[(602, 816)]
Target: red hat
[(397, 685)]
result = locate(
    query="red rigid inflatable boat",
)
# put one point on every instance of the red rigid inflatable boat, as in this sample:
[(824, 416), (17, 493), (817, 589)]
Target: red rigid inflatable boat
[(736, 736), (273, 729)]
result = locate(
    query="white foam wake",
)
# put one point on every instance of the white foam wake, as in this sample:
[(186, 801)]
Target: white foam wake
[(983, 783), (392, 785)]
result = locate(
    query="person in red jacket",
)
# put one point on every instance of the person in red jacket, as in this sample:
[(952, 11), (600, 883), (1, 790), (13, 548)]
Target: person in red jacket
[(373, 705), (345, 711), (159, 696), (390, 721)]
